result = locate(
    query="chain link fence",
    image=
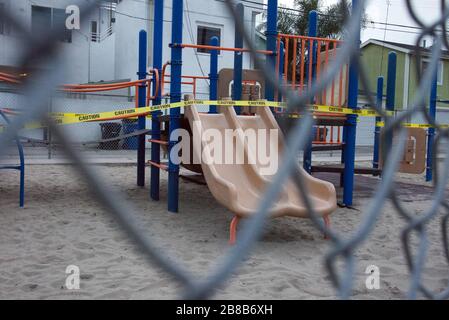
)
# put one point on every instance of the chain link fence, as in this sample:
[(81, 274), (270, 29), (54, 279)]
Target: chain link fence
[(91, 139), (340, 260)]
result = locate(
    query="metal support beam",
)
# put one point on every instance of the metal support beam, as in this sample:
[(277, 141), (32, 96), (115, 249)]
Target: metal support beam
[(142, 74), (238, 59), (175, 95), (155, 123), (213, 75)]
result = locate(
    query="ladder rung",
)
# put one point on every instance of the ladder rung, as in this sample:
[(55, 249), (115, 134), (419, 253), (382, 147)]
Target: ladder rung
[(165, 143), (158, 165)]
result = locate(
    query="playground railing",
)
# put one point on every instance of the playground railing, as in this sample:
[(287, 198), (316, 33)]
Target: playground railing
[(165, 78), (308, 58)]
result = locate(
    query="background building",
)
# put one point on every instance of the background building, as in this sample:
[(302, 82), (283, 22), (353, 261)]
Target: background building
[(106, 48)]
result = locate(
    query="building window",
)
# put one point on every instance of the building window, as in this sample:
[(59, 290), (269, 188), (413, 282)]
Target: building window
[(204, 36), (2, 22), (45, 20), (94, 31), (440, 75)]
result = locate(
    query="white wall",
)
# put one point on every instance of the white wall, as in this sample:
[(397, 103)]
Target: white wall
[(117, 56), (127, 36), (76, 53), (212, 13), (102, 61)]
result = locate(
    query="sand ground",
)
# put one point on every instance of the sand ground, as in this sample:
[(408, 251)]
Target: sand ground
[(63, 225)]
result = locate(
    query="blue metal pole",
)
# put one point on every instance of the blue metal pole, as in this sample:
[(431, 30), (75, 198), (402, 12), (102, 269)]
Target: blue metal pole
[(313, 32), (238, 60), (142, 100), (380, 92), (22, 184), (431, 131), (350, 130), (281, 70), (271, 33), (175, 96), (155, 123), (390, 102), (313, 29), (213, 76)]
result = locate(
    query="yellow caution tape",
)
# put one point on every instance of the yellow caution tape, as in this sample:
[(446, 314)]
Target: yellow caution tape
[(413, 125), (70, 118), (132, 113)]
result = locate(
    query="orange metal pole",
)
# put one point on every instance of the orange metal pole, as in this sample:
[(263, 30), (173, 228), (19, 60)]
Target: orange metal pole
[(310, 63), (295, 59), (332, 134), (318, 73), (206, 47), (136, 96), (347, 76), (333, 80), (156, 91), (233, 230), (107, 85), (278, 66), (9, 75), (339, 135), (6, 79), (93, 89), (302, 64), (308, 38), (194, 88), (326, 65)]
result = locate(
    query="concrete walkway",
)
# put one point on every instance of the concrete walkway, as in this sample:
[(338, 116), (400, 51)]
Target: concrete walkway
[(41, 156)]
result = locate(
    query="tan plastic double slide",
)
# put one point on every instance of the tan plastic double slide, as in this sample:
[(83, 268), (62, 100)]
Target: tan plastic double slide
[(240, 187)]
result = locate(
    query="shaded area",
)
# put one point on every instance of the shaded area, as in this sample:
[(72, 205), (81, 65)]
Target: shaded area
[(366, 186)]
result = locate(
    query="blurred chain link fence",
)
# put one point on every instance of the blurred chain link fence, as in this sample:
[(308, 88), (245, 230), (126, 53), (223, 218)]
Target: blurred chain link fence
[(33, 97)]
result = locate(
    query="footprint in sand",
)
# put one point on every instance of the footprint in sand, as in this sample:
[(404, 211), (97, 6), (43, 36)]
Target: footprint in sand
[(29, 287)]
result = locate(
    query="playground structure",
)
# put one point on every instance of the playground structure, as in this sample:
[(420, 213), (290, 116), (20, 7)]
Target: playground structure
[(333, 131), (224, 181), (316, 54), (342, 257)]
